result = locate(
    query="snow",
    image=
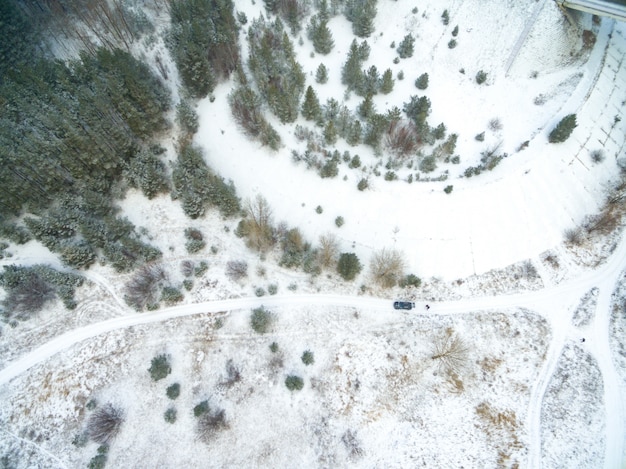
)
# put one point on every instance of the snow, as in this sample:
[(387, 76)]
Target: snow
[(530, 394)]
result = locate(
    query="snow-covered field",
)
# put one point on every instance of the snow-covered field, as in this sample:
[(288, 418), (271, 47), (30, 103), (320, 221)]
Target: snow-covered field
[(527, 391)]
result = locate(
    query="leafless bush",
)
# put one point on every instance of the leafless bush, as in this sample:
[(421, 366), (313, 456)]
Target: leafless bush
[(495, 124), (529, 270), (105, 423), (29, 295), (553, 260), (186, 268), (233, 375), (143, 288), (387, 267), (352, 444), (597, 156), (210, 423), (574, 236), (402, 138), (607, 220), (451, 352), (328, 251), (236, 270)]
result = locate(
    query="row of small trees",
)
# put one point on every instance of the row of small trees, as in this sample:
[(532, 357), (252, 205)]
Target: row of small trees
[(386, 266)]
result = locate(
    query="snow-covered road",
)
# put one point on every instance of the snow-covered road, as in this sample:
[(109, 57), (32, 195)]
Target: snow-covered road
[(555, 303)]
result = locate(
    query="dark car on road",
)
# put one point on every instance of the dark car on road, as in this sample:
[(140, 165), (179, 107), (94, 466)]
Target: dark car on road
[(403, 305)]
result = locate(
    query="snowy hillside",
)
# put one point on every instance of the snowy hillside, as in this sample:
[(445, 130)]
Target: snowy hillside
[(513, 354)]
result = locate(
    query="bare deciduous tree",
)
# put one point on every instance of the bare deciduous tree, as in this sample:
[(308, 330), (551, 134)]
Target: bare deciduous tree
[(258, 224), (105, 423), (28, 296), (387, 267), (402, 138), (451, 352), (328, 250), (143, 288)]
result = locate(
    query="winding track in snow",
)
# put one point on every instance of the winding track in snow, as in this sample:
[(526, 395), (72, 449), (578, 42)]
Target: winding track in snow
[(541, 301)]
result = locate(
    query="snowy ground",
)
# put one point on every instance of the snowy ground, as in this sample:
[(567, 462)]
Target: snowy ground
[(529, 394)]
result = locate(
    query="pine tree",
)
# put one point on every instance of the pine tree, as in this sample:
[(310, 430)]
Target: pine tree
[(366, 108), (351, 73), (311, 109), (278, 75), (387, 83), (321, 75), (405, 48), (323, 11), (563, 129), (348, 265), (361, 13), (330, 133), (417, 109), (353, 136), (371, 82), (203, 41), (377, 124), (422, 81), (319, 33)]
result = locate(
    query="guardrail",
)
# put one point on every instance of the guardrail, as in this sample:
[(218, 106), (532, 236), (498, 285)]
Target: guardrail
[(614, 9)]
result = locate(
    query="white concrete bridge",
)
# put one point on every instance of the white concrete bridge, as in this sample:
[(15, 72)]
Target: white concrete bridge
[(612, 8)]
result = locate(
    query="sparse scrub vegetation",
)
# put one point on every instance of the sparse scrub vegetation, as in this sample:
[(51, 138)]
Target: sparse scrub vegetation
[(574, 236), (352, 444), (171, 295), (195, 240)]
